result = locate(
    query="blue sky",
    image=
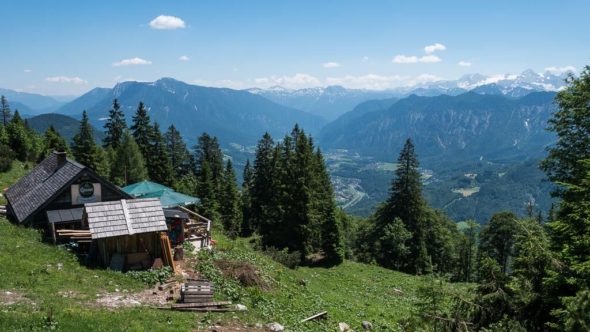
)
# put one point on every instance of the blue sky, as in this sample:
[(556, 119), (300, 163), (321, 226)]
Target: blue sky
[(70, 47)]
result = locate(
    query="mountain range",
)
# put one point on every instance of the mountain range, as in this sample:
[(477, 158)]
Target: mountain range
[(332, 101), (467, 127), (232, 115)]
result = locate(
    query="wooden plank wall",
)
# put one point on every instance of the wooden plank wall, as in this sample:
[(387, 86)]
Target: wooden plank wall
[(129, 244)]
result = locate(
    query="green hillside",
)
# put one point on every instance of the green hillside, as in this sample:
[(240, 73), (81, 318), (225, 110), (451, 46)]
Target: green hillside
[(45, 287)]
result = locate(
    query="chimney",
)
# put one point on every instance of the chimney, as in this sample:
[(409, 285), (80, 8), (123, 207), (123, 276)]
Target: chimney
[(61, 157)]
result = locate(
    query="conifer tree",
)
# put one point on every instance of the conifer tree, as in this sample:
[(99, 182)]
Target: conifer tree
[(332, 236), (114, 126), (83, 144), (263, 191), (142, 130), (179, 155), (159, 165), (5, 109), (19, 138), (208, 153), (128, 166), (406, 203), (208, 205), (247, 185), (230, 204), (497, 239), (54, 142)]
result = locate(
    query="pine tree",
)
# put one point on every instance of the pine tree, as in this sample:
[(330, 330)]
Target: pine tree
[(406, 203), (497, 239), (5, 108), (468, 250), (84, 146), (142, 130), (159, 165), (208, 205), (332, 235), (114, 126), (128, 166), (247, 185), (264, 190), (179, 155), (230, 207), (54, 142), (19, 137), (208, 153)]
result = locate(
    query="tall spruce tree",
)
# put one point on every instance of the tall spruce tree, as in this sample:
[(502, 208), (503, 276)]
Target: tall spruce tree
[(128, 166), (247, 185), (230, 204), (406, 203), (5, 109), (497, 239), (208, 153), (83, 144), (114, 126), (179, 154), (263, 191), (332, 235), (208, 205), (142, 130), (159, 165)]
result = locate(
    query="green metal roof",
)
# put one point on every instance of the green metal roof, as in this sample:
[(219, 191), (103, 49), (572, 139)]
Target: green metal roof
[(170, 198), (142, 188)]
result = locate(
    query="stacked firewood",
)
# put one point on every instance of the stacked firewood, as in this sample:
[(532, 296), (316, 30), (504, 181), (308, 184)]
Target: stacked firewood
[(77, 235)]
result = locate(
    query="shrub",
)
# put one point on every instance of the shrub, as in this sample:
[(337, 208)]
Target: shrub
[(152, 276)]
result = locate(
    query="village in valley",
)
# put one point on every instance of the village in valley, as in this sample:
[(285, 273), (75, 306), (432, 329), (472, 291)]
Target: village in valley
[(294, 166)]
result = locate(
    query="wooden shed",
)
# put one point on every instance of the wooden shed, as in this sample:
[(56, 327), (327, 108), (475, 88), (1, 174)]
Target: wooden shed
[(126, 234)]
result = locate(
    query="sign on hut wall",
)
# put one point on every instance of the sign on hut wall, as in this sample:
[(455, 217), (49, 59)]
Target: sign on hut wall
[(86, 192)]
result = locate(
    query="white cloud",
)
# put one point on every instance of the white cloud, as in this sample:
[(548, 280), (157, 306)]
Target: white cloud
[(28, 71), (65, 79), (405, 59), (430, 58), (464, 63), (164, 22), (434, 47), (132, 62), (184, 58), (331, 65), (365, 59), (423, 78), (560, 70)]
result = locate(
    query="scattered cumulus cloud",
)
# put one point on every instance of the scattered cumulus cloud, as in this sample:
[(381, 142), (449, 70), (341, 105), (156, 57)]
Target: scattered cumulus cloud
[(132, 62), (560, 70), (66, 79), (369, 81), (165, 22), (427, 58), (331, 65), (429, 49), (464, 63), (365, 59), (28, 71), (430, 58), (184, 58)]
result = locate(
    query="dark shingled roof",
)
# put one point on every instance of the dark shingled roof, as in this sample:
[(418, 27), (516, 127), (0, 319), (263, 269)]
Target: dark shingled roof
[(33, 190)]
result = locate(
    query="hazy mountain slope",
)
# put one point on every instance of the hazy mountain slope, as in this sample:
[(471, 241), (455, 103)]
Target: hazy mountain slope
[(329, 102), (66, 126), (231, 115), (35, 102), (449, 128)]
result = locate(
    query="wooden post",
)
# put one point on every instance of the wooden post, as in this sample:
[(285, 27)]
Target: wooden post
[(53, 232)]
